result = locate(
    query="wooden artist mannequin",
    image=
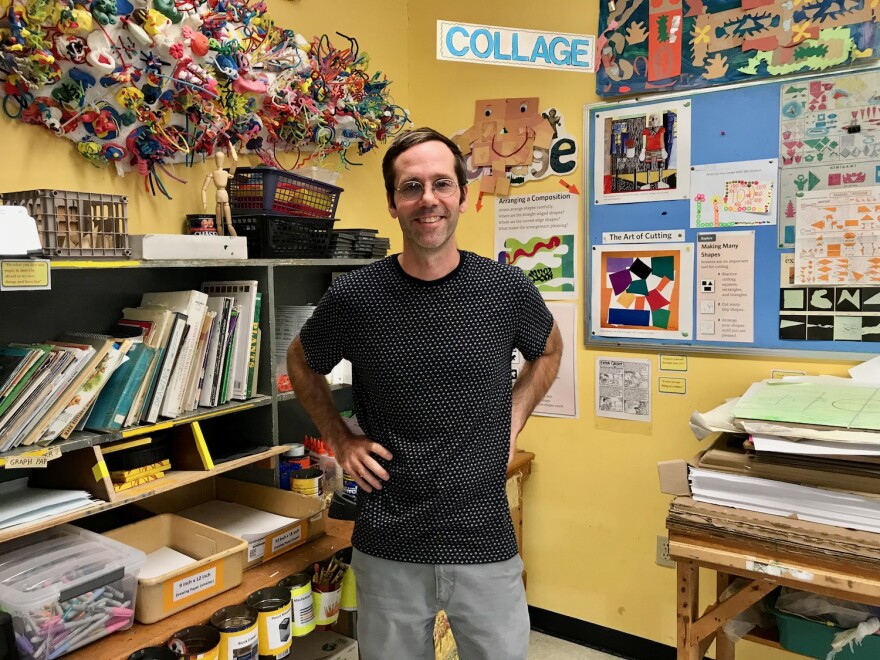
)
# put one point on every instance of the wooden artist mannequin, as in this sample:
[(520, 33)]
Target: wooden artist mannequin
[(221, 178)]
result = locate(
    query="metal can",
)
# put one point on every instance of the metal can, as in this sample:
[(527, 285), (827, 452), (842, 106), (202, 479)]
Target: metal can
[(302, 606), (196, 643), (237, 625), (273, 621)]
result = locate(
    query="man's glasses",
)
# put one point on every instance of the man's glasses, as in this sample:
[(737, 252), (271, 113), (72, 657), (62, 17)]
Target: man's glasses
[(413, 190)]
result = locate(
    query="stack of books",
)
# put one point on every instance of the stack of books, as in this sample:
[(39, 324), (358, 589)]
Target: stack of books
[(125, 479), (358, 244), (175, 352)]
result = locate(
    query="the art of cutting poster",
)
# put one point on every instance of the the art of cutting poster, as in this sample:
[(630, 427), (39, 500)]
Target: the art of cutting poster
[(642, 291)]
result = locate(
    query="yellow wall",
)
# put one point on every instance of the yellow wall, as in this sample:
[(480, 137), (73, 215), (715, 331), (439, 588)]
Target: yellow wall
[(593, 508)]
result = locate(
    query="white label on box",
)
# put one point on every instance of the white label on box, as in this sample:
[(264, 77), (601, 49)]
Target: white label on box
[(281, 542), (195, 583), (256, 550)]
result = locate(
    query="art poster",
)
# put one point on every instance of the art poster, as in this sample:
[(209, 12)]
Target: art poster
[(726, 286), (838, 237), (512, 142), (643, 291), (733, 194), (623, 388), (829, 139), (536, 233), (561, 399), (830, 313), (666, 45), (642, 153)]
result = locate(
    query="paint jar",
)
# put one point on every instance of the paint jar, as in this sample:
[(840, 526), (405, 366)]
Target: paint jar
[(237, 625), (293, 459), (307, 482), (196, 643), (301, 603), (154, 653), (273, 621)]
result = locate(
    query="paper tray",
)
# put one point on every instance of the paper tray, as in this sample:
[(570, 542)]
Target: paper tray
[(219, 562)]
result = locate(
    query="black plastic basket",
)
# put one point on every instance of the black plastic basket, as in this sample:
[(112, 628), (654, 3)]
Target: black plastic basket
[(278, 191), (282, 236)]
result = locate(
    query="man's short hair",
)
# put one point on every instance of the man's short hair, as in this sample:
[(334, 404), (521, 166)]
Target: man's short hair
[(410, 139)]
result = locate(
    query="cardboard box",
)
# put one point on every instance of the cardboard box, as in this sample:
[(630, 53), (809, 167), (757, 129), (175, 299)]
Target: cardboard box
[(324, 645), (308, 510), (674, 477), (219, 564), (180, 246)]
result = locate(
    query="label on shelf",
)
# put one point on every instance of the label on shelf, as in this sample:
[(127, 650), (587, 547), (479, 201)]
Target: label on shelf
[(33, 459), (25, 275)]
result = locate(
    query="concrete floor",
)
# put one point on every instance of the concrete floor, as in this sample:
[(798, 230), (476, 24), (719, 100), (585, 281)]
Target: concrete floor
[(545, 647)]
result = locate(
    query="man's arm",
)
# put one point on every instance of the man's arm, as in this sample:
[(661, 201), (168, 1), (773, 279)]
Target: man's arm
[(353, 452), (532, 383)]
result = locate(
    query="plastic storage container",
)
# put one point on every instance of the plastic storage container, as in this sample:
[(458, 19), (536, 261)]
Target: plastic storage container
[(813, 639), (77, 224), (282, 236), (272, 190), (67, 587)]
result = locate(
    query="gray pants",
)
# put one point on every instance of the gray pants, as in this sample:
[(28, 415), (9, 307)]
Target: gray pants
[(397, 603)]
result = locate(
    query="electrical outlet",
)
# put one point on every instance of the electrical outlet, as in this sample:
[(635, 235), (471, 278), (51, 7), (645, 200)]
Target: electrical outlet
[(663, 558)]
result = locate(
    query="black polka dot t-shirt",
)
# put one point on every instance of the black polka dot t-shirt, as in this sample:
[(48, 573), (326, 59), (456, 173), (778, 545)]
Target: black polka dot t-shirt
[(431, 369)]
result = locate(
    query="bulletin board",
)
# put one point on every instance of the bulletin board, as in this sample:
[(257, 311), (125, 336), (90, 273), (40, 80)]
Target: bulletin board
[(643, 222)]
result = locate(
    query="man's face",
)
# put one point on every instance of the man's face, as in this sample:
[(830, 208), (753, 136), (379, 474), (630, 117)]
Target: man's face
[(428, 223)]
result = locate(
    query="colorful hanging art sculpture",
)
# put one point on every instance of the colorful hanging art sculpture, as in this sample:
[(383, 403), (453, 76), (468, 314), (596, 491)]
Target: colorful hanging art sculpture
[(143, 84)]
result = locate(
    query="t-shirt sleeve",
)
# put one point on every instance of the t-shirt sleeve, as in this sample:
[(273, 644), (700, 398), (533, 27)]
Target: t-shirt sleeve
[(322, 335), (534, 323)]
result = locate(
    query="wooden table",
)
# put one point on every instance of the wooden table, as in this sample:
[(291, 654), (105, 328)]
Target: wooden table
[(765, 571)]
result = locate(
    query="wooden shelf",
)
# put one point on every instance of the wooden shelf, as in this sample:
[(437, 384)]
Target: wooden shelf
[(71, 264), (120, 645), (173, 479), (83, 439)]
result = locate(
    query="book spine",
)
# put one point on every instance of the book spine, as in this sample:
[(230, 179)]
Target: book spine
[(252, 354), (174, 341)]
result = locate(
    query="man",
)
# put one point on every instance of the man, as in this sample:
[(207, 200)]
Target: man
[(430, 334)]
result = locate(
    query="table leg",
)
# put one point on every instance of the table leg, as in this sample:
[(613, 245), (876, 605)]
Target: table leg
[(725, 648), (688, 603)]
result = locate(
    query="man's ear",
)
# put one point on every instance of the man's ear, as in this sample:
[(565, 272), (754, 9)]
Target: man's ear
[(462, 205), (392, 208)]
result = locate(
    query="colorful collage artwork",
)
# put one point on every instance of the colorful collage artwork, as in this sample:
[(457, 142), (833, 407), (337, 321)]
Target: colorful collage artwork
[(665, 45), (548, 261), (643, 291), (830, 313), (829, 139), (645, 153)]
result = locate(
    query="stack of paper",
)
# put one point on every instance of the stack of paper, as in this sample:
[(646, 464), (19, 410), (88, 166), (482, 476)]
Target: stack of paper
[(20, 504), (836, 508)]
